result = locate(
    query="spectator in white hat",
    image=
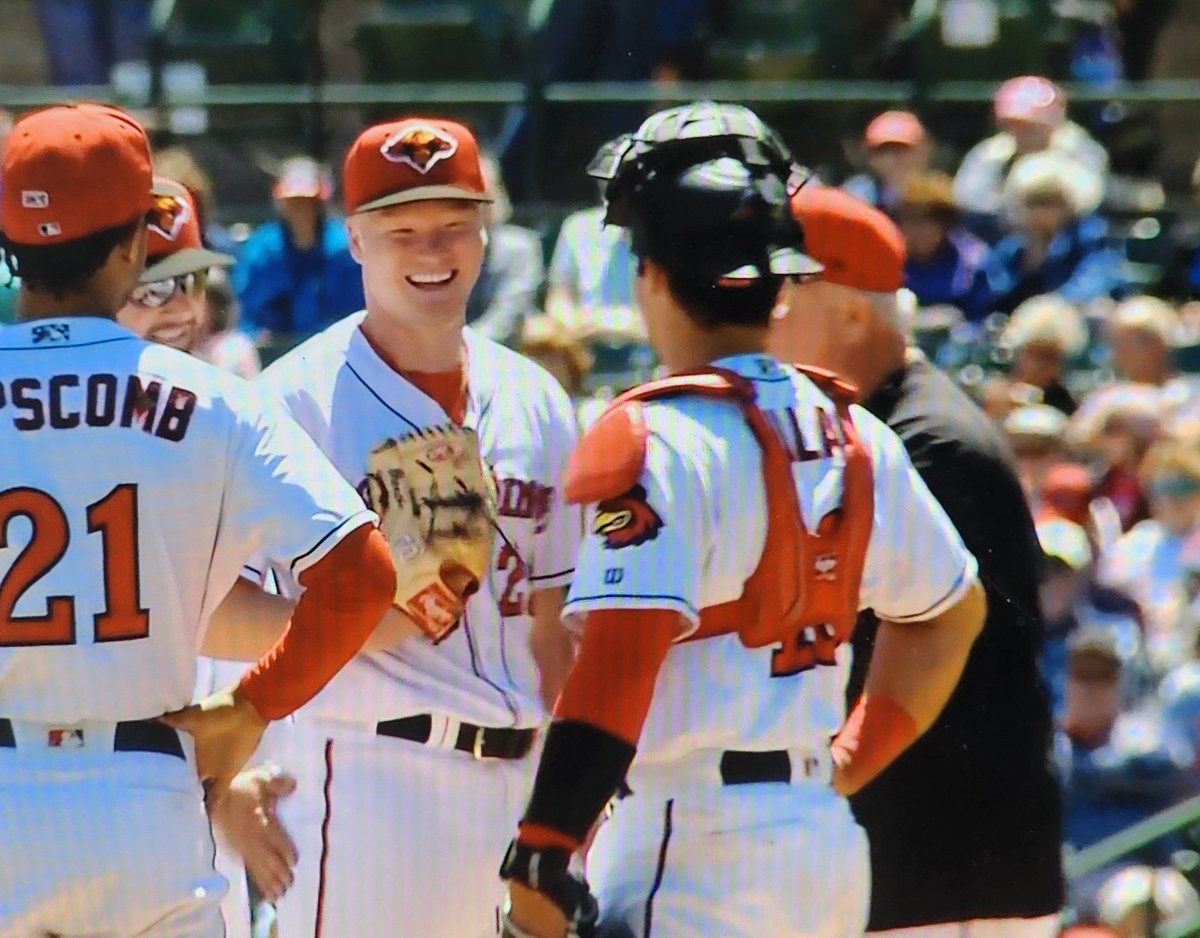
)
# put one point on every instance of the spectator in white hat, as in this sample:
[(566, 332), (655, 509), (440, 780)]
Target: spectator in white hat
[(1032, 114), (1043, 333), (1058, 244)]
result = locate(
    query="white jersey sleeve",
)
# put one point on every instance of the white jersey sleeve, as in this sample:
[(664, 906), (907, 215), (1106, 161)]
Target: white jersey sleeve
[(646, 549), (557, 536), (286, 506), (916, 564)]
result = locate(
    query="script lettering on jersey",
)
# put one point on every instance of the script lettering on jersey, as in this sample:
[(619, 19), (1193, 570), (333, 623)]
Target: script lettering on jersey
[(67, 401), (819, 440), (522, 498)]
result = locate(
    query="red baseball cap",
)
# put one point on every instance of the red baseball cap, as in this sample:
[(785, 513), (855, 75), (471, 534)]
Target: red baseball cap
[(896, 127), (412, 160), (174, 246), (72, 170), (301, 177), (1032, 99), (859, 245)]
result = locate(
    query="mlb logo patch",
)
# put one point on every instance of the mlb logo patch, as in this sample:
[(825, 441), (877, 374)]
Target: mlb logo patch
[(49, 229), (66, 738), (34, 198)]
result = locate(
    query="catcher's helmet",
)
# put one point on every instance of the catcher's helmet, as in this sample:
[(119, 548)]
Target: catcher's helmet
[(705, 189)]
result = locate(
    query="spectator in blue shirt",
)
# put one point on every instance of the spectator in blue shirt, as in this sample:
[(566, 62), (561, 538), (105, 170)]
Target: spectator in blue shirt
[(1058, 245), (1116, 767), (944, 259), (295, 275)]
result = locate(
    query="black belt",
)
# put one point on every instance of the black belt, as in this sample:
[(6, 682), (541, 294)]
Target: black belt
[(130, 736), (751, 768), (482, 742)]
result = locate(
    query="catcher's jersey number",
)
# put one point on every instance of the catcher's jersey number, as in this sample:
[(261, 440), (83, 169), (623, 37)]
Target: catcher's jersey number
[(114, 519)]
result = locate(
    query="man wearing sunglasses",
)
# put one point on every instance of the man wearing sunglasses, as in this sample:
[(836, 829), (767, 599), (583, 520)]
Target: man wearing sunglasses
[(134, 483), (168, 304)]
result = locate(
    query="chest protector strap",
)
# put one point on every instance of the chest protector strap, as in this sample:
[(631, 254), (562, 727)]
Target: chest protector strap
[(804, 591)]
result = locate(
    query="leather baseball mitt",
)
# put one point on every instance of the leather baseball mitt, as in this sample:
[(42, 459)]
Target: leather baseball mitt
[(437, 505)]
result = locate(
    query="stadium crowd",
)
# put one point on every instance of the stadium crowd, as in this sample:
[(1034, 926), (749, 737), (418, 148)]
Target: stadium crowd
[(1014, 286)]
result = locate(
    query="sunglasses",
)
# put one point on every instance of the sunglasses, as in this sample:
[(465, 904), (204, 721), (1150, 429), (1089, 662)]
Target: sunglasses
[(158, 293)]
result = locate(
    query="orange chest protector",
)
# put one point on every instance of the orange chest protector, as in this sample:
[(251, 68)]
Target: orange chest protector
[(804, 594)]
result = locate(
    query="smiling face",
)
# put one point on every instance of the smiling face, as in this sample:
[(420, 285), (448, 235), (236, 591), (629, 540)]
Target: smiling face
[(170, 312), (421, 260)]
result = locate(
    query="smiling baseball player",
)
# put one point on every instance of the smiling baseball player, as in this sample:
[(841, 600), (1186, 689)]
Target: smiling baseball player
[(135, 482), (743, 512), (413, 767)]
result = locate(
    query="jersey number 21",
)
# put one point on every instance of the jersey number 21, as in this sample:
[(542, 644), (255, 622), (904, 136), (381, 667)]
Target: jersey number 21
[(114, 519)]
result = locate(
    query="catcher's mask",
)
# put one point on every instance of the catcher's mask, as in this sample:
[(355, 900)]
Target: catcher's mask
[(706, 189)]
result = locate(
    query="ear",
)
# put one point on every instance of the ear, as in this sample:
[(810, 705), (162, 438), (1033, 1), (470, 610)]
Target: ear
[(355, 238)]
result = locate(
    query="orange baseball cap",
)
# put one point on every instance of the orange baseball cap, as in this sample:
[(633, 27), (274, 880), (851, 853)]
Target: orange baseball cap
[(412, 160), (173, 243), (859, 245), (896, 127), (72, 170)]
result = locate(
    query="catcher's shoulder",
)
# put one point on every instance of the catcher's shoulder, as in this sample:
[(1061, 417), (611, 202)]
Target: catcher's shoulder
[(609, 458)]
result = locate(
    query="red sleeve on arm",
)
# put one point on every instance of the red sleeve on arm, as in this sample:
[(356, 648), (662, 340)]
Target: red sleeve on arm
[(345, 595), (612, 681)]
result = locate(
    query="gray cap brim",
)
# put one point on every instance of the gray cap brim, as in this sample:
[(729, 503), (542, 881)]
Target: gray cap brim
[(424, 194), (187, 261)]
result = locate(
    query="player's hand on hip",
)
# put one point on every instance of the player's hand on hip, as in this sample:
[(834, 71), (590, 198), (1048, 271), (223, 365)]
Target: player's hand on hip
[(226, 729), (247, 820)]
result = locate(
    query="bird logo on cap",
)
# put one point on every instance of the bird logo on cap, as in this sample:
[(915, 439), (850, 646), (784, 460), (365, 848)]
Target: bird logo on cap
[(420, 146), (168, 216)]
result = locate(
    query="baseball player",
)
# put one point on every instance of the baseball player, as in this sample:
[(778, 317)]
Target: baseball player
[(413, 766), (136, 482), (743, 512)]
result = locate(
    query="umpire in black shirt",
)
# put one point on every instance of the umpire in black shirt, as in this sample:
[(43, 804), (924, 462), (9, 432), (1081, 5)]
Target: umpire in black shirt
[(965, 827)]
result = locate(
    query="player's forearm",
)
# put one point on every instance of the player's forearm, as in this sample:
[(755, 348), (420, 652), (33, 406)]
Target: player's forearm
[(395, 628), (917, 665), (346, 594), (914, 670), (550, 643), (246, 624)]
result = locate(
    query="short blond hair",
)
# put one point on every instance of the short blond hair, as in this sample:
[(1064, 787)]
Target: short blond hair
[(1146, 314), (1046, 319), (1049, 172)]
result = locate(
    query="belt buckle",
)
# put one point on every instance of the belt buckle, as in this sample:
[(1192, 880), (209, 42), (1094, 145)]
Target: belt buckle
[(477, 746)]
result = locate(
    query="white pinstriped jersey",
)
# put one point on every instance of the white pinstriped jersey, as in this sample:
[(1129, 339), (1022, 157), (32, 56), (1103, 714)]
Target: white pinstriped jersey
[(135, 482), (349, 400), (704, 535)]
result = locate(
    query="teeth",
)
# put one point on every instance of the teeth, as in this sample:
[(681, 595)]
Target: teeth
[(432, 278)]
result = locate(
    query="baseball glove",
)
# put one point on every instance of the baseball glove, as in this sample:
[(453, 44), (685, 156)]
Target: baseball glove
[(437, 505)]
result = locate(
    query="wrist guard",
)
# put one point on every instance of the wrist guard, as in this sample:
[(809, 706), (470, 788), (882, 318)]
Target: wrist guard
[(545, 871)]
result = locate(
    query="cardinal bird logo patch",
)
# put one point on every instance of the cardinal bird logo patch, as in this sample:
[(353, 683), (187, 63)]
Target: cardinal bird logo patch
[(627, 520), (169, 215), (420, 146)]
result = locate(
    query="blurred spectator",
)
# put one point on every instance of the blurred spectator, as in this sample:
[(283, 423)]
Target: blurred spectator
[(999, 396), (897, 149), (512, 271), (1035, 433), (1180, 689), (168, 305), (1119, 428), (1066, 494), (1032, 114), (222, 343), (590, 282), (1138, 901), (84, 39), (1147, 562), (1042, 334), (295, 275), (1058, 245), (944, 259), (1116, 766), (1181, 279), (177, 163), (551, 344), (1141, 331), (1071, 600)]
